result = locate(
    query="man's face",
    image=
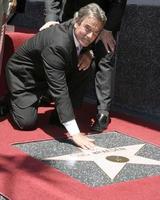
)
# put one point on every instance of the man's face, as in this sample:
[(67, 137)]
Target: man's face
[(87, 31)]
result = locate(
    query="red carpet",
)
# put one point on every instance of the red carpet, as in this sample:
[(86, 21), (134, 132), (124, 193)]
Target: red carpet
[(23, 178)]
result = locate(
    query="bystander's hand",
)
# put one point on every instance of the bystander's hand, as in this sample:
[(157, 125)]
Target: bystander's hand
[(48, 24), (83, 141), (108, 40), (85, 60)]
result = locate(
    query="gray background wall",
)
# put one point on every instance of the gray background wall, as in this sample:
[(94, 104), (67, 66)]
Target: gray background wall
[(137, 89)]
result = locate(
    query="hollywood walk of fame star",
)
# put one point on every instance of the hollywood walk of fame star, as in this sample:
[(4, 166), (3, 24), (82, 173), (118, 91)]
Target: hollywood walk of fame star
[(110, 160)]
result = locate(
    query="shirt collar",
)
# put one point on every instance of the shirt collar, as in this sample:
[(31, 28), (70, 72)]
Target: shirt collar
[(77, 44)]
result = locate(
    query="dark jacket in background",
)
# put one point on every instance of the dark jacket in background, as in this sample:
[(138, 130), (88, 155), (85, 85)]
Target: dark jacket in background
[(20, 6)]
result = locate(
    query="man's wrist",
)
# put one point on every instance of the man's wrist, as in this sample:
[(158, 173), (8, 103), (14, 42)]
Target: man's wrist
[(72, 127)]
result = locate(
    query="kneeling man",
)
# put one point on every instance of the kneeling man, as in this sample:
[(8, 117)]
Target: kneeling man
[(48, 61)]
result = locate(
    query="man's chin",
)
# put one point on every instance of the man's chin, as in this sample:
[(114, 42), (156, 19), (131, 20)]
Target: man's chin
[(85, 44)]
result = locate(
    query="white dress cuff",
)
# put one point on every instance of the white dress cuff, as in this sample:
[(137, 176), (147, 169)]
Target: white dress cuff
[(72, 127)]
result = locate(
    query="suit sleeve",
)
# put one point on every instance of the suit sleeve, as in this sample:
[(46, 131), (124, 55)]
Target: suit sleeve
[(55, 62), (52, 10), (114, 14)]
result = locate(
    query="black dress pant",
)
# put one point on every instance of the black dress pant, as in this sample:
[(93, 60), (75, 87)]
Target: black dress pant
[(104, 78)]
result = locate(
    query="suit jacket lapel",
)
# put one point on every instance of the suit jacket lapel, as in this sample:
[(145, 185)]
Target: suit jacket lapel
[(74, 56)]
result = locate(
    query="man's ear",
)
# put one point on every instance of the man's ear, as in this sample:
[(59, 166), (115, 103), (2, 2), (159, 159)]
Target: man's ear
[(76, 25)]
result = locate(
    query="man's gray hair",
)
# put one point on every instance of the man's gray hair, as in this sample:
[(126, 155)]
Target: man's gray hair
[(90, 10)]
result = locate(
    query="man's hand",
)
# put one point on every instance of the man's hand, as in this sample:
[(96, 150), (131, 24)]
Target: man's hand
[(48, 24), (83, 141), (108, 40), (85, 60)]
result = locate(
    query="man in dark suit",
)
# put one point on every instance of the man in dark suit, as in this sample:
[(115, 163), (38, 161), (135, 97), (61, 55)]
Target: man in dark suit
[(48, 61), (60, 10)]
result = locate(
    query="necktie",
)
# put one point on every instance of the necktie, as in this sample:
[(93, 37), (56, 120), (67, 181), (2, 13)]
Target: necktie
[(78, 50)]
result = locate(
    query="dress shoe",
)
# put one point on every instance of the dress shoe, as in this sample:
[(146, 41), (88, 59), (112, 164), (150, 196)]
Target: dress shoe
[(3, 110), (4, 107), (100, 123), (54, 120)]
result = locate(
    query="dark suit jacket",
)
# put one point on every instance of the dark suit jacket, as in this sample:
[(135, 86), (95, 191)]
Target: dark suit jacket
[(20, 5), (47, 59), (61, 10)]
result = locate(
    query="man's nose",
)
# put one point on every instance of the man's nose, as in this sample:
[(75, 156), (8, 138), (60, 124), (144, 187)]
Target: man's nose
[(90, 35)]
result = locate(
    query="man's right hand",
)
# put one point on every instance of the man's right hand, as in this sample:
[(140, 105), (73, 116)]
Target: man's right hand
[(48, 24), (108, 40), (83, 141), (85, 61)]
